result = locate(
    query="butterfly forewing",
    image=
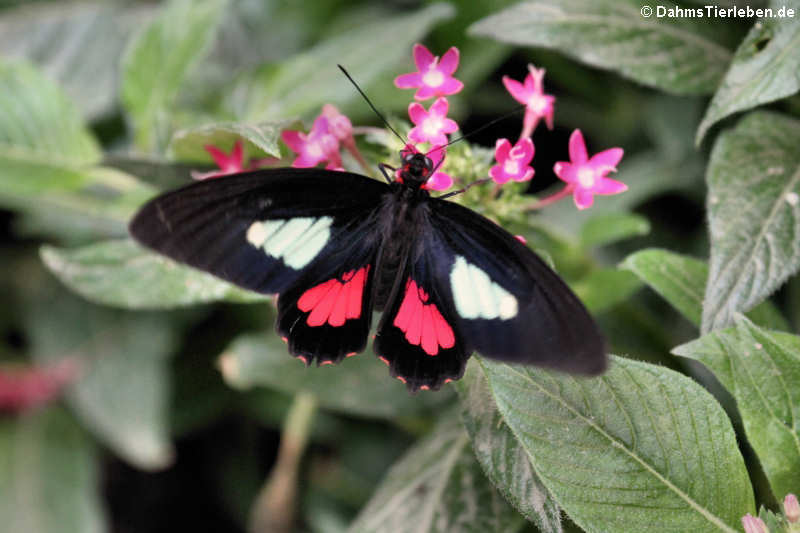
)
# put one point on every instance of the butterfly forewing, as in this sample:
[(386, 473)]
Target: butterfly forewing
[(260, 229), (508, 304)]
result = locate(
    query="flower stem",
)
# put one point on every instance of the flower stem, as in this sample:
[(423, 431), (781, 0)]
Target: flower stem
[(273, 509), (353, 149), (553, 198)]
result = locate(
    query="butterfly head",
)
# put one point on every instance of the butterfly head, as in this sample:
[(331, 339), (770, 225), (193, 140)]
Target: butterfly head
[(416, 168)]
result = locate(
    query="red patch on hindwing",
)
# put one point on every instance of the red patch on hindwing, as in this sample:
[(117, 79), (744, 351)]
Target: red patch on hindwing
[(422, 323), (334, 302)]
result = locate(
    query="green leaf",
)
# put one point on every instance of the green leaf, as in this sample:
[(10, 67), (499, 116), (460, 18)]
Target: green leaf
[(681, 281), (639, 447), (123, 274), (603, 288), (189, 144), (157, 62), (62, 39), (48, 471), (672, 54), (47, 156), (761, 369), (754, 214), (94, 201), (308, 80), (38, 124), (765, 68), (608, 228), (359, 385), (123, 392), (437, 486), (504, 461)]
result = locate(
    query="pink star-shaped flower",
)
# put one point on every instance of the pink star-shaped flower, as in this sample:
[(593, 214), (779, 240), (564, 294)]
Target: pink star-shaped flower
[(228, 164), (433, 125), (586, 177), (338, 124), (434, 77), (439, 181), (512, 163), (531, 93), (314, 147)]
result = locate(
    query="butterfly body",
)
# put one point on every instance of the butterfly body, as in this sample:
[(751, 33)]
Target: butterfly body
[(336, 245)]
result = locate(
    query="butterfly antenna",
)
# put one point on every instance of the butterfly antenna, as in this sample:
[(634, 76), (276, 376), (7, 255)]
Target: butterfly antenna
[(349, 77), (488, 124)]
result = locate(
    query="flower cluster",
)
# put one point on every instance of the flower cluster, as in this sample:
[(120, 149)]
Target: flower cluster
[(583, 176)]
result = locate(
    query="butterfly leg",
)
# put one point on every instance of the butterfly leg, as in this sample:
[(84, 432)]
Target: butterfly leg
[(465, 189)]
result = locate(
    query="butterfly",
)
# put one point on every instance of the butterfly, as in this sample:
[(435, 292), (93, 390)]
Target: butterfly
[(335, 246)]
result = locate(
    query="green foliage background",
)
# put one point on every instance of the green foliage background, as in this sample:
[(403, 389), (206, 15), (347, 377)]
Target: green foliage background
[(102, 105)]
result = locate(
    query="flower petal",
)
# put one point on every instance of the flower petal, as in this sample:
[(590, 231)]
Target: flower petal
[(565, 171), (449, 62), (609, 186), (583, 198), (501, 149), (417, 113), (422, 57), (607, 160), (450, 86), (436, 154), (523, 151), (527, 176), (424, 92), (294, 140), (440, 107), (449, 126), (439, 182), (408, 81), (498, 175), (577, 147), (516, 89)]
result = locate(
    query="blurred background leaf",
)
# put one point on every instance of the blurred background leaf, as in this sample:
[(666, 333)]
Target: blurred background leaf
[(49, 475)]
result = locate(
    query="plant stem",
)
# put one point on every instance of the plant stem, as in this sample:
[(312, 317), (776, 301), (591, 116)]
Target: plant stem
[(273, 509), (553, 198)]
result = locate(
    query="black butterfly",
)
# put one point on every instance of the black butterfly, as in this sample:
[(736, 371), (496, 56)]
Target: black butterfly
[(337, 245)]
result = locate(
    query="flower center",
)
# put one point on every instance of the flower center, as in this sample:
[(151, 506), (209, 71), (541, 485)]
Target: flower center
[(586, 178), (432, 126), (433, 78), (537, 103), (511, 167), (314, 149)]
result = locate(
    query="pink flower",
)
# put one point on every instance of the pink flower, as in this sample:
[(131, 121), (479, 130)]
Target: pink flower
[(314, 147), (521, 239), (338, 124), (531, 93), (753, 524), (586, 177), (433, 77), (512, 163), (439, 181), (228, 164), (791, 508), (431, 126)]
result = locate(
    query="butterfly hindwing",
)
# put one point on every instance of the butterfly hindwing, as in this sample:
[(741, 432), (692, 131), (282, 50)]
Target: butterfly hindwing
[(326, 314), (418, 337), (508, 304), (260, 229)]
